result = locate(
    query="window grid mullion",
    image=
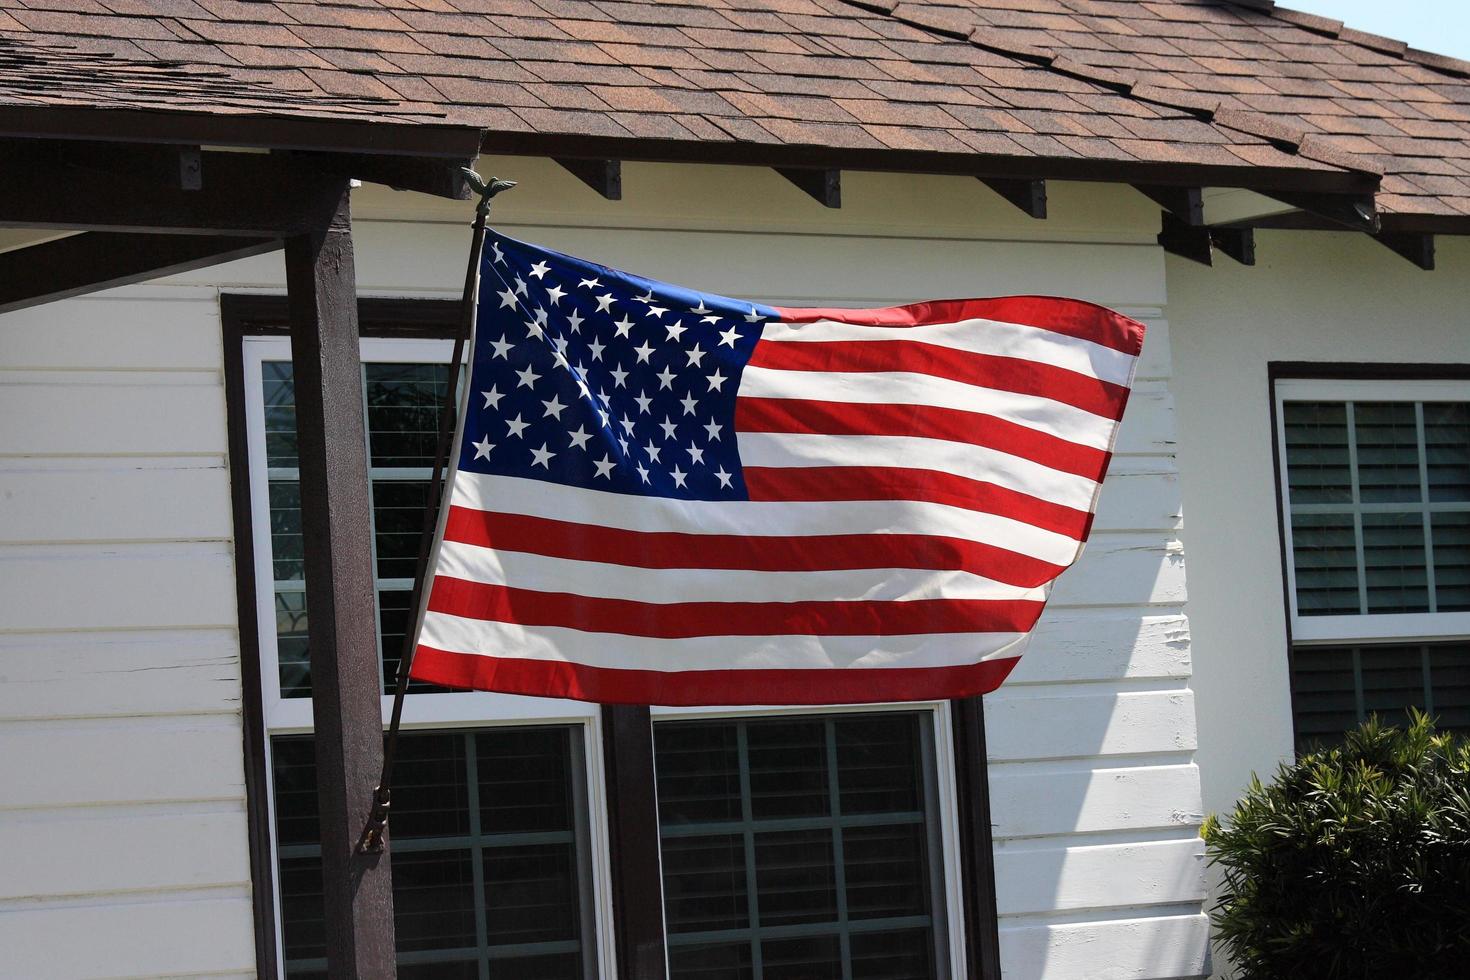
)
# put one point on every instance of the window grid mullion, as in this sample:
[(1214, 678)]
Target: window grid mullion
[(367, 439), (1352, 443), (1422, 452), (477, 854), (1358, 698), (839, 873), (752, 899), (1428, 680)]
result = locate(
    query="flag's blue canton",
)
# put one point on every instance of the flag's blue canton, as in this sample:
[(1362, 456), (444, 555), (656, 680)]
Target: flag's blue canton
[(590, 377)]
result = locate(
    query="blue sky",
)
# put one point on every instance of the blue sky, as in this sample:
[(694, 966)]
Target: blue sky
[(1442, 26)]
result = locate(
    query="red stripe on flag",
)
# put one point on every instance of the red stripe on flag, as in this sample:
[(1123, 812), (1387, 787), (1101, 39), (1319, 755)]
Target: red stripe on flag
[(772, 483), (1069, 317), (546, 678), (768, 553), (678, 620), (985, 370), (923, 421)]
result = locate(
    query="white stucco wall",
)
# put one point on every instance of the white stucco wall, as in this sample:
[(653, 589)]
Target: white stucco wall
[(112, 473)]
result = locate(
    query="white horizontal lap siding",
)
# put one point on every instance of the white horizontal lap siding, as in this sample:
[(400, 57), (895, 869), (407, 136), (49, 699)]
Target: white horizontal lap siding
[(1095, 796), (1094, 792), (122, 825)]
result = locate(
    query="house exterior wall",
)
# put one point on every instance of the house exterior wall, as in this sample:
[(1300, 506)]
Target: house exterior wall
[(1315, 296), (123, 817)]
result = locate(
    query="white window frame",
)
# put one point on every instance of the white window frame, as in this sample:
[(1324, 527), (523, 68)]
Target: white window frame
[(1360, 627), (286, 716)]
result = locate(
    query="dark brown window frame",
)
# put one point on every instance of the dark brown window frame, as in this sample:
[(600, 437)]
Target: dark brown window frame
[(1328, 371), (626, 732)]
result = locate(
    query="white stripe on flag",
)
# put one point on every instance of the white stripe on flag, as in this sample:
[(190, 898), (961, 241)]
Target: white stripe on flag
[(614, 650), (756, 518), (784, 449), (976, 336), (540, 573), (906, 388)]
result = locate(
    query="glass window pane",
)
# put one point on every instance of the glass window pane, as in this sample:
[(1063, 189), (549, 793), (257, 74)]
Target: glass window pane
[(795, 877), (293, 660), (1447, 450), (464, 892), (525, 780), (1317, 452), (280, 414), (1393, 680), (788, 769), (1393, 559), (698, 772), (1449, 679), (1324, 550), (404, 406), (882, 768), (704, 883), (892, 956), (885, 871), (286, 554), (1388, 451), (434, 899), (530, 894), (730, 961), (398, 525), (1451, 532), (1324, 694), (832, 813), (803, 958)]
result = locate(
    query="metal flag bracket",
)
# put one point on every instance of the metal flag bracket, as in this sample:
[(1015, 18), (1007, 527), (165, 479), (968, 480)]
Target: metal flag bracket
[(373, 834)]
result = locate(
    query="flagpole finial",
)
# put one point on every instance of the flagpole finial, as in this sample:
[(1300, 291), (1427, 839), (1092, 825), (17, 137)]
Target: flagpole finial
[(486, 191)]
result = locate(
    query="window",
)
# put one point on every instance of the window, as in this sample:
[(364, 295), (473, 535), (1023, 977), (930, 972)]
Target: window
[(801, 847), (495, 865), (1376, 500), (489, 855)]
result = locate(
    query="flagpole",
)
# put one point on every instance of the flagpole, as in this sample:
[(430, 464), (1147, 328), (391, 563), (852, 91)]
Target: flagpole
[(377, 822)]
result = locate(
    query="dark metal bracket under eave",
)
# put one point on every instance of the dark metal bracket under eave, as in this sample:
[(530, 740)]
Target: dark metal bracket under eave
[(1417, 247), (1027, 194), (602, 175), (1185, 203), (1197, 243), (824, 185)]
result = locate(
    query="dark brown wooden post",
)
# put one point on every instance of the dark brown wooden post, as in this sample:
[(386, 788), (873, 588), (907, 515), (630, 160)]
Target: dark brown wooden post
[(336, 530), (632, 827), (977, 860)]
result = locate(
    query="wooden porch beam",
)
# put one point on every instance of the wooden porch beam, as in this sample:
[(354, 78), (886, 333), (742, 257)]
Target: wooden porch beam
[(1185, 203), (977, 857), (95, 260), (633, 843), (336, 523), (426, 175), (602, 175), (1027, 194), (824, 185), (155, 189)]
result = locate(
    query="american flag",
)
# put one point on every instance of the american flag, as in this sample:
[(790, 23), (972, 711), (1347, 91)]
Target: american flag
[(663, 496)]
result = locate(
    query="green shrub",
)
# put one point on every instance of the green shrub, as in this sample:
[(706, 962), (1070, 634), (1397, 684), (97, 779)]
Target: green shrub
[(1353, 863)]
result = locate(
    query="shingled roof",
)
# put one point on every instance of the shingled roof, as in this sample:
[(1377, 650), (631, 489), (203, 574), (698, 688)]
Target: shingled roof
[(1302, 81), (1095, 89)]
